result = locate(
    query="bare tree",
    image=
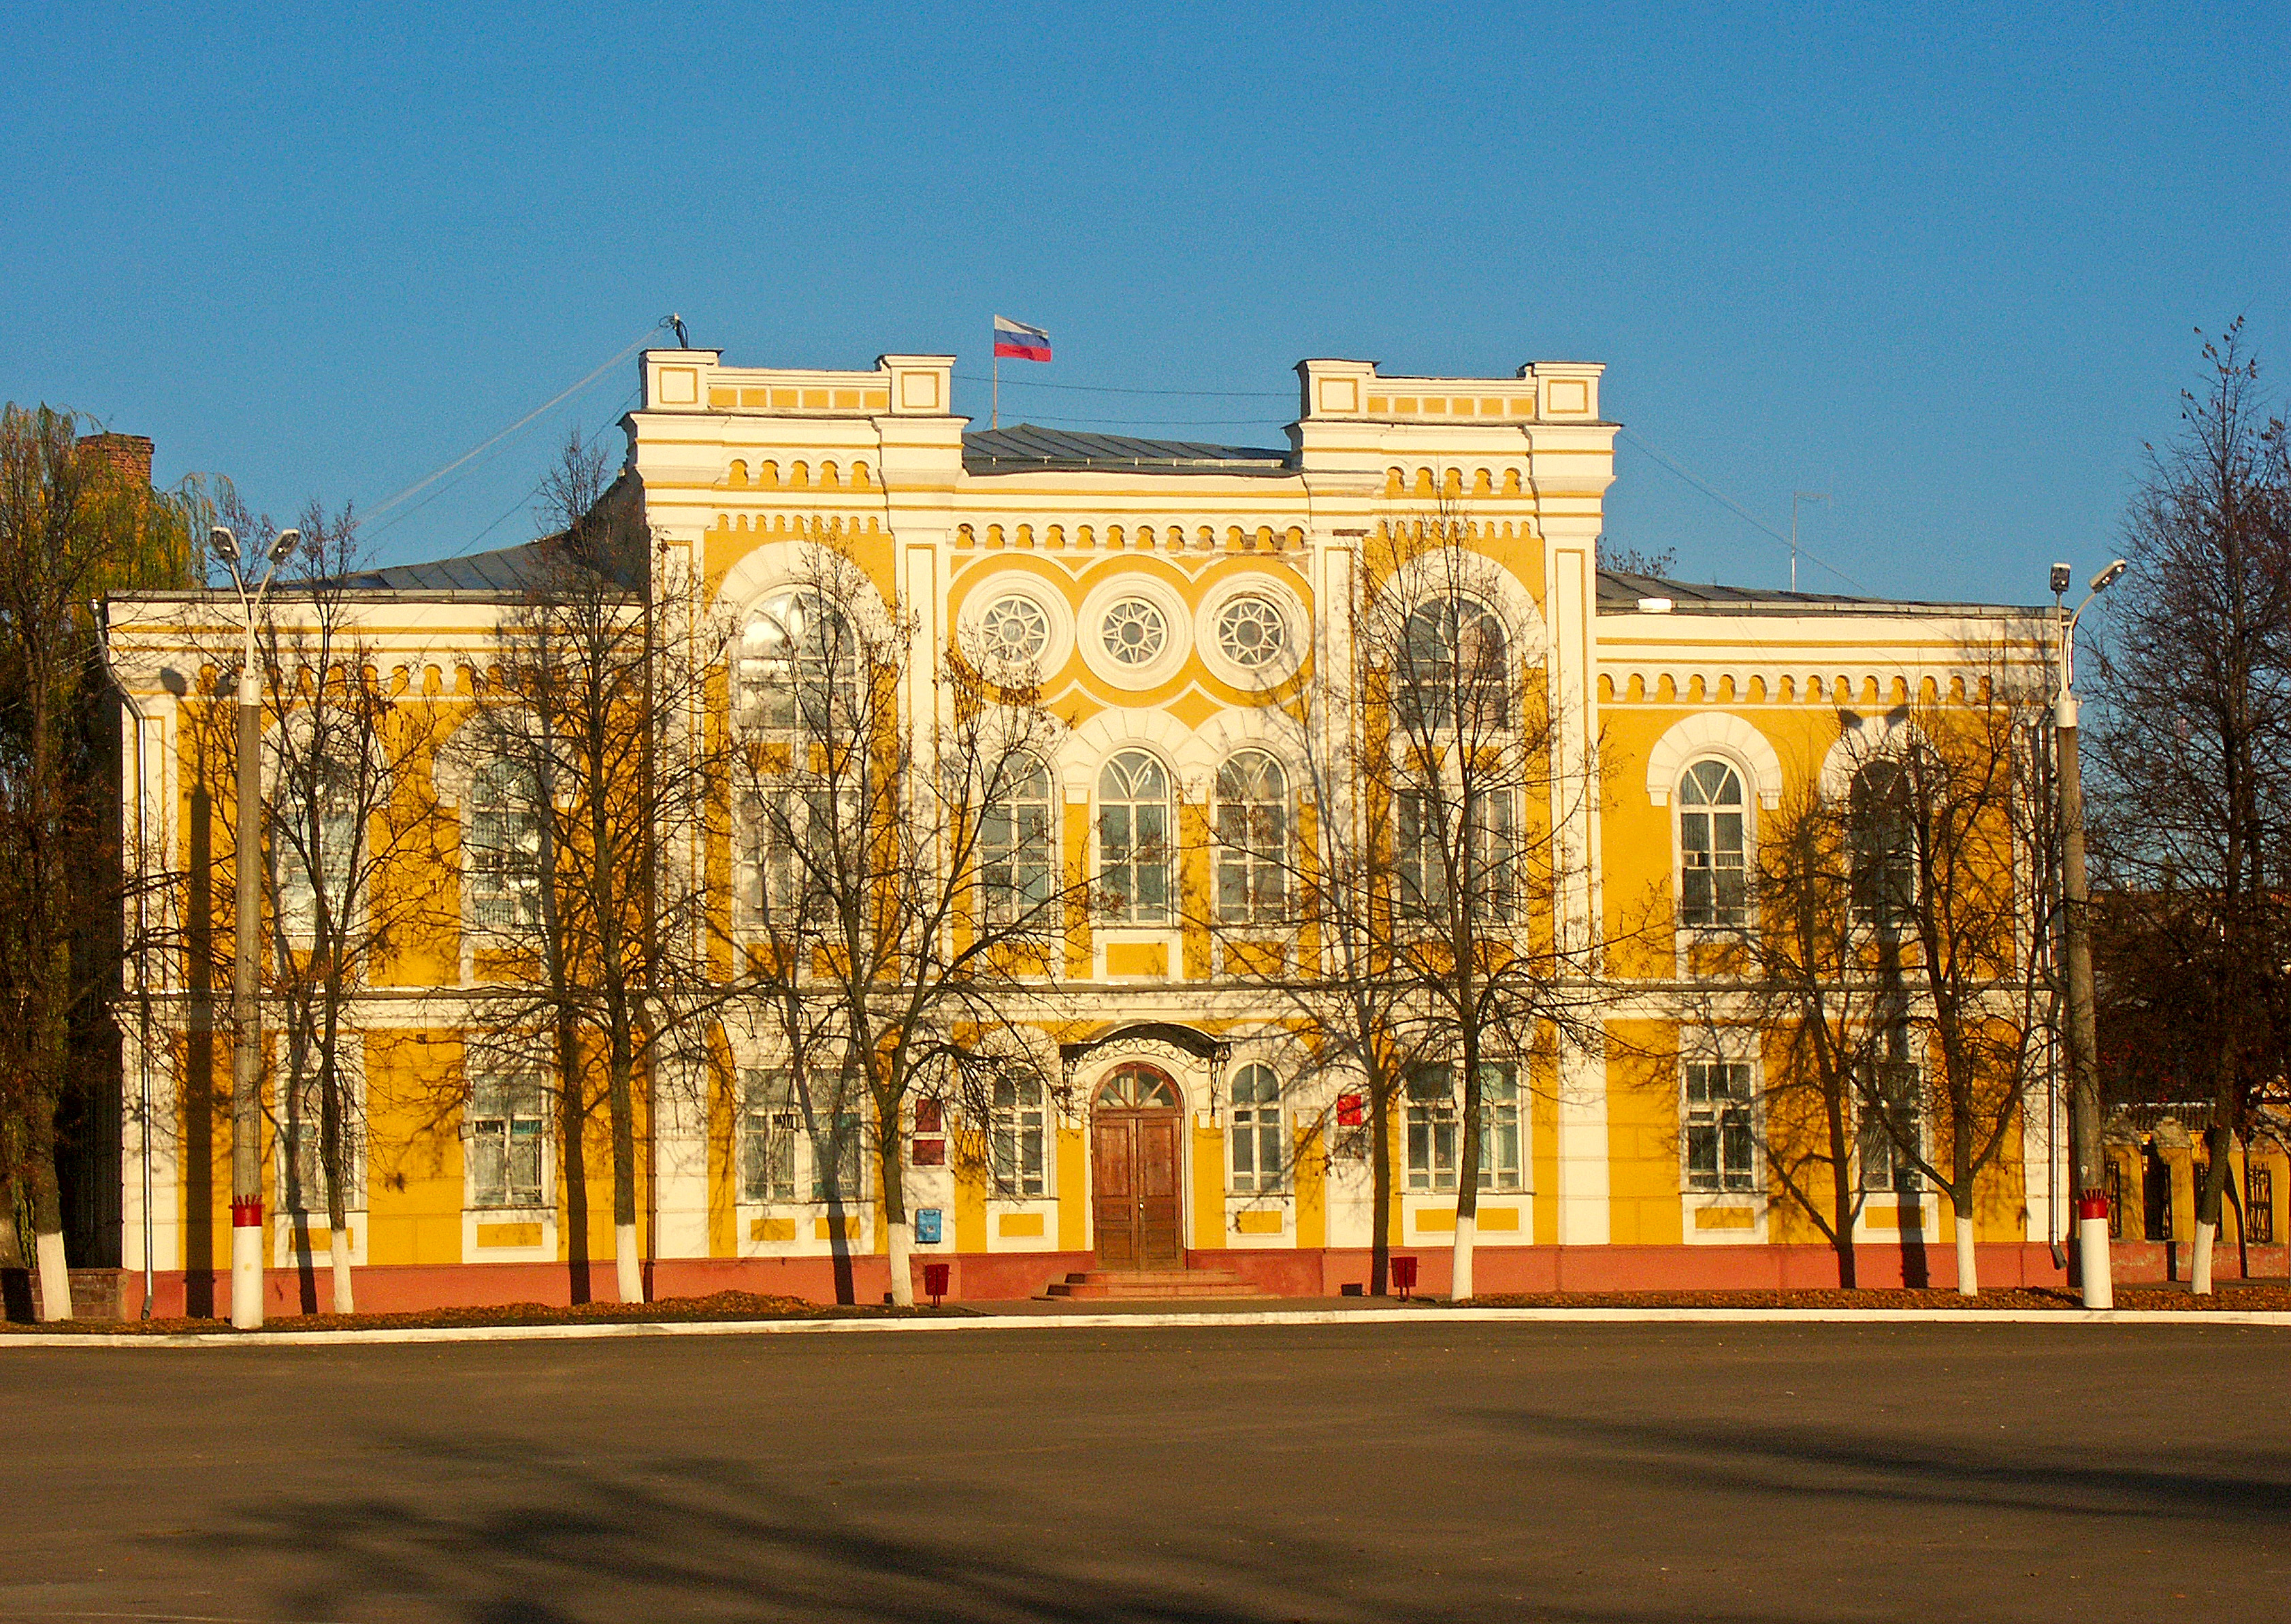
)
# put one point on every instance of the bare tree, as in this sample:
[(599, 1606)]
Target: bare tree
[(903, 891), (1306, 918), (594, 785), (1949, 825), (350, 739), (2194, 754), (1465, 768), (73, 525), (1809, 981)]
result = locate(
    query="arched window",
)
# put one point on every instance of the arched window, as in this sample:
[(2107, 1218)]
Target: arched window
[(1882, 843), (798, 666), (1453, 668), (1133, 840), (1710, 846), (1256, 1138), (1252, 836), (1015, 845), (505, 846)]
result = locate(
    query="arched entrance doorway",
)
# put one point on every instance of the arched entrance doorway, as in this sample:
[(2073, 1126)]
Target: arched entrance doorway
[(1135, 1169)]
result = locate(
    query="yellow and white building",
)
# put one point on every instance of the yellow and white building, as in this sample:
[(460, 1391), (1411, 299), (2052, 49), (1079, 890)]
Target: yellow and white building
[(1157, 584)]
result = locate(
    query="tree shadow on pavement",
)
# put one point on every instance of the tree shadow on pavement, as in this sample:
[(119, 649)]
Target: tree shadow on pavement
[(2223, 1487)]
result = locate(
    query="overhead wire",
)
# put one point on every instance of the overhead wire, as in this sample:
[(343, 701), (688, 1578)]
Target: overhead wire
[(1108, 389), (1739, 510), (480, 450)]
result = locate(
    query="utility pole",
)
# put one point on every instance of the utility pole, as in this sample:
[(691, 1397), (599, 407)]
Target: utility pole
[(247, 1247), (1797, 497), (2092, 1256)]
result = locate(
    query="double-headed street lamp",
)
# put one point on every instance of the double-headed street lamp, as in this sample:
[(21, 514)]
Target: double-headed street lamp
[(247, 1247), (2084, 1066)]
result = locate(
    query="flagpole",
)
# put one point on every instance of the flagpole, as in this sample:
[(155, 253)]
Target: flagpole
[(994, 420)]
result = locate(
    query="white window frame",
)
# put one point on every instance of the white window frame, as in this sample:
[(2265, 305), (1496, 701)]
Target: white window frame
[(780, 1112), (543, 1192), (1712, 1118), (1433, 1141), (520, 892), (1018, 1139), (1428, 706), (1130, 915), (1719, 918), (1018, 867), (1256, 1150), (1252, 839)]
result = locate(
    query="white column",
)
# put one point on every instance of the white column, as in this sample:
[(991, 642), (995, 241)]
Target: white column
[(1571, 577)]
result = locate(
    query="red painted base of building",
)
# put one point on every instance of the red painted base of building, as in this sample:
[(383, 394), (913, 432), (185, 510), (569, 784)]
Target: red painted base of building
[(1008, 1276)]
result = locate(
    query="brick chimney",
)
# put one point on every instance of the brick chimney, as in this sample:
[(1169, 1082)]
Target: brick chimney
[(130, 453)]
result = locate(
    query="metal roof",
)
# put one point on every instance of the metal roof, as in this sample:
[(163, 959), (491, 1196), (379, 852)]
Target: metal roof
[(1620, 593), (504, 570), (1026, 448)]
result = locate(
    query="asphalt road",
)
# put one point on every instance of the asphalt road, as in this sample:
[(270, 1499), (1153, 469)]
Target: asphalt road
[(1597, 1472)]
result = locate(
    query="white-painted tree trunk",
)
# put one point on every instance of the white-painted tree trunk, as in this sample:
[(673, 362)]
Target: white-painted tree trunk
[(2201, 1280), (55, 1277), (2098, 1266), (628, 1272), (903, 1273), (1460, 1282), (340, 1246), (246, 1280), (1968, 1270)]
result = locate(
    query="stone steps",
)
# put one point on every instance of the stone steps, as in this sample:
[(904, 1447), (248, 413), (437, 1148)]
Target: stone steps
[(1137, 1284)]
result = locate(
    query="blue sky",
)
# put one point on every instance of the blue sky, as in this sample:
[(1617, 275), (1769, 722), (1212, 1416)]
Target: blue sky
[(1944, 264)]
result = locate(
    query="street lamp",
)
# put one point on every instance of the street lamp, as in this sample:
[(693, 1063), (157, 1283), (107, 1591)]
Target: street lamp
[(2084, 1067), (247, 1247)]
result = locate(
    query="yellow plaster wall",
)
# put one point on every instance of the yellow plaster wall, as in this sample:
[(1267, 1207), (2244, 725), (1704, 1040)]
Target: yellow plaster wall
[(1643, 1151), (1073, 1189), (1209, 1189)]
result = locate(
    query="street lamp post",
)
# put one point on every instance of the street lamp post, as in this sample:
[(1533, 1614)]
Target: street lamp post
[(247, 1247), (2084, 1064)]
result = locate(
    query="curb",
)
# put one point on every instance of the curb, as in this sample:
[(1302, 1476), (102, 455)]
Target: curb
[(2276, 1320)]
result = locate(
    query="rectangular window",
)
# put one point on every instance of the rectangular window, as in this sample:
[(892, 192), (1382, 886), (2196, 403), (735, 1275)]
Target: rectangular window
[(770, 1127), (1252, 849), (1495, 840), (1886, 1164), (1436, 1144), (1014, 858), (795, 835), (301, 1146), (504, 867), (1133, 840), (1719, 1155), (1020, 1131), (839, 1169), (1416, 854), (2258, 1202), (506, 1128), (299, 888)]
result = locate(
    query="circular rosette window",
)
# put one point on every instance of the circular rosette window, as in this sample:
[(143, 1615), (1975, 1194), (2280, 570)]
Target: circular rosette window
[(1134, 632), (1251, 633)]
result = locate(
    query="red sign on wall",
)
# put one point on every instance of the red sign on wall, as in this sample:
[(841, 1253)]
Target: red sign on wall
[(1352, 1111)]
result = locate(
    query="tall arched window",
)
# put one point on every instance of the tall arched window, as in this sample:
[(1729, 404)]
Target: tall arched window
[(1453, 668), (1881, 840), (1015, 845), (505, 846), (1133, 840), (1257, 1158), (798, 666), (1710, 846), (1252, 836)]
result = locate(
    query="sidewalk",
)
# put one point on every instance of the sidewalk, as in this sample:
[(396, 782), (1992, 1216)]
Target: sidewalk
[(1025, 1317)]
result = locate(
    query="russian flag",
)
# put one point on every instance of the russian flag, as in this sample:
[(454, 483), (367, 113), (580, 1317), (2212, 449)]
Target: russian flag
[(1020, 342)]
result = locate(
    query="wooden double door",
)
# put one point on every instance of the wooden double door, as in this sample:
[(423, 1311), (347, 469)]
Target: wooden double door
[(1135, 1171)]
